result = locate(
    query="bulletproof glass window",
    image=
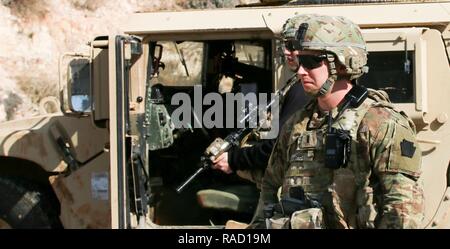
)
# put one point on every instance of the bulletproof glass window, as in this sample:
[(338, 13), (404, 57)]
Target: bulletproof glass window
[(189, 63), (183, 63), (251, 54), (393, 72)]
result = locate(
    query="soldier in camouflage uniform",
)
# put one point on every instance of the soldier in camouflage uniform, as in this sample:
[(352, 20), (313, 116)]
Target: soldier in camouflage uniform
[(348, 159)]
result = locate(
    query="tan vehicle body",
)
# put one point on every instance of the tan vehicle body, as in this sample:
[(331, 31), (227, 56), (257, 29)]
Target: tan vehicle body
[(99, 142)]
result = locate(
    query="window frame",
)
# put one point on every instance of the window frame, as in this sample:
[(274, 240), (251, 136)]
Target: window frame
[(399, 39)]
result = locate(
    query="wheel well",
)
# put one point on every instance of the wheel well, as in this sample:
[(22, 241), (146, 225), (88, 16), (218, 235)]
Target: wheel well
[(32, 173)]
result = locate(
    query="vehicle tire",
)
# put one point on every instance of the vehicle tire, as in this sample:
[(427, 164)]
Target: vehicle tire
[(25, 205)]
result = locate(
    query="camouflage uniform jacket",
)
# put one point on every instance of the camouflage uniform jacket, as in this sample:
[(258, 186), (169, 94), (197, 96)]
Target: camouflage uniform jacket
[(379, 188)]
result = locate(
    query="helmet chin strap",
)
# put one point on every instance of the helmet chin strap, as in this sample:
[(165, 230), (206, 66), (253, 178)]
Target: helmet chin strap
[(326, 87), (328, 84)]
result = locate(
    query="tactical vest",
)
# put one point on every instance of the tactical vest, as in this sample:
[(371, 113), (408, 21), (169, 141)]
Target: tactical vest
[(345, 193)]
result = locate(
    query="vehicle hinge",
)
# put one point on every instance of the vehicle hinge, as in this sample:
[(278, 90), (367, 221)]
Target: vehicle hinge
[(65, 148)]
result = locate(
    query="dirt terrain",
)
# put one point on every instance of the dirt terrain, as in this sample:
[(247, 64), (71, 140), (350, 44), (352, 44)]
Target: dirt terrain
[(36, 33)]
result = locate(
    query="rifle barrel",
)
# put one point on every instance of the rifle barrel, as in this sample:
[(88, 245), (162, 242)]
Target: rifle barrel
[(182, 186)]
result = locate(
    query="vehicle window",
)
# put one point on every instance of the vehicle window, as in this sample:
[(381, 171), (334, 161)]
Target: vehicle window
[(233, 63), (389, 72), (250, 54), (183, 63)]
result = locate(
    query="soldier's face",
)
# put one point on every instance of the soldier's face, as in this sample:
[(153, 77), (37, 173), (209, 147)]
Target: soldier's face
[(312, 70), (291, 60)]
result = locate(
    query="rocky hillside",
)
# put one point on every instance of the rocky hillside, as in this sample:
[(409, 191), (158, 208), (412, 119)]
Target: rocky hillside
[(35, 33)]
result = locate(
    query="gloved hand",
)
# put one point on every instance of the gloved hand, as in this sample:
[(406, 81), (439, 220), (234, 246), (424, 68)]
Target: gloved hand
[(221, 163)]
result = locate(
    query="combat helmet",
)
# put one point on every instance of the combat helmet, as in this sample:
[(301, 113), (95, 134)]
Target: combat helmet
[(336, 36)]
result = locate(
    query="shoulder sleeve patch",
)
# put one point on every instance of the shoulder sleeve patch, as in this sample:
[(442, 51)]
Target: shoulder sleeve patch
[(394, 148), (407, 148)]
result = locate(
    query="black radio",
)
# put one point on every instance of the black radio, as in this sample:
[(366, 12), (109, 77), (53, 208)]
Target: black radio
[(337, 141), (337, 148)]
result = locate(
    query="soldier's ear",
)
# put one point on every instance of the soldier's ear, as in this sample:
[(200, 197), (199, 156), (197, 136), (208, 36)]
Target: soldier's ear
[(342, 71)]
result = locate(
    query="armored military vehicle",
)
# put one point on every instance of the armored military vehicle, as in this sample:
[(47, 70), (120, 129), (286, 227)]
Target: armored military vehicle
[(113, 157)]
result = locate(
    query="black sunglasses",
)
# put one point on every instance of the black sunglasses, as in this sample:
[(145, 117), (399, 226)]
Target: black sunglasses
[(310, 61), (292, 45)]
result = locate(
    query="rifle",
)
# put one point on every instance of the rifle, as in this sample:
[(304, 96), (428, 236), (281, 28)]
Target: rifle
[(220, 146)]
